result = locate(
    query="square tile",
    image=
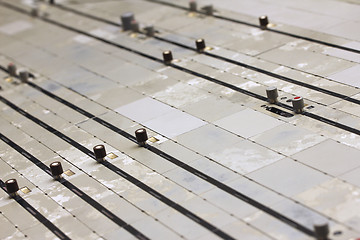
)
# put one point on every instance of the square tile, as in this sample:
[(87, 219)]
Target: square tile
[(208, 212), (214, 170), (229, 203), (245, 157), (316, 63), (351, 56), (180, 93), (212, 108), (178, 151), (247, 232), (336, 199), (188, 228), (275, 228), (331, 157), (299, 213), (144, 109), (349, 76), (352, 177), (288, 177), (189, 180), (248, 122), (154, 229), (256, 191), (288, 139), (174, 123), (207, 139)]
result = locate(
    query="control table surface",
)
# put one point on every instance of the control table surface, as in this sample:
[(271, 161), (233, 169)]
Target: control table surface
[(160, 119)]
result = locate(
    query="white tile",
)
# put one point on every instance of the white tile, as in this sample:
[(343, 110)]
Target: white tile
[(288, 139), (144, 109), (288, 177), (189, 181), (352, 177), (348, 76), (154, 229), (214, 170), (331, 157), (246, 231), (208, 212), (234, 205), (188, 228), (299, 213), (336, 199), (275, 228), (174, 123), (351, 56), (256, 191), (207, 139), (245, 157), (16, 27), (248, 123)]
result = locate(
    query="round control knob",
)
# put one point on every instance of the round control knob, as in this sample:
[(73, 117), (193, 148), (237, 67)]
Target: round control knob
[(200, 45), (272, 94), (298, 104), (264, 21), (12, 69), (12, 187), (126, 20), (100, 152), (52, 1), (34, 12), (149, 31), (208, 9), (321, 231), (56, 169), (135, 26), (24, 76), (167, 56), (193, 6), (141, 136)]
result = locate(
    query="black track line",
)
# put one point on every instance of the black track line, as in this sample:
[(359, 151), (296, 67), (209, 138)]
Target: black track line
[(256, 69), (257, 26), (121, 223), (327, 121), (268, 73), (159, 152), (173, 160), (119, 172), (251, 94), (35, 213)]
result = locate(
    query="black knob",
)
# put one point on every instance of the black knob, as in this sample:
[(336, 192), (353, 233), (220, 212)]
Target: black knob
[(135, 26), (100, 152), (24, 76), (193, 6), (52, 1), (200, 45), (34, 12), (321, 231), (12, 187), (149, 31), (12, 69), (208, 9), (167, 55), (56, 169), (141, 136), (126, 20), (263, 21)]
